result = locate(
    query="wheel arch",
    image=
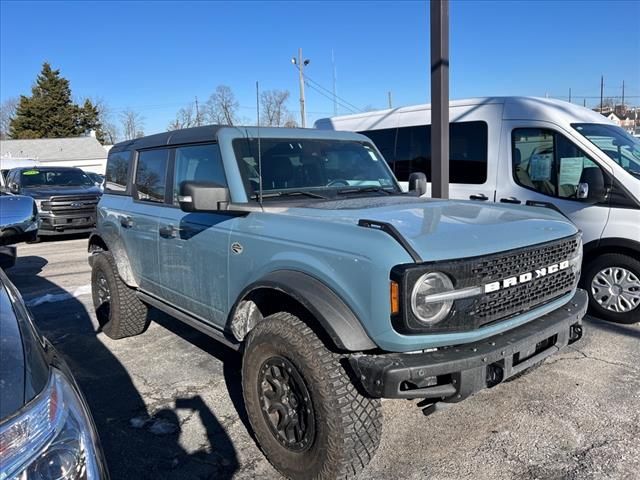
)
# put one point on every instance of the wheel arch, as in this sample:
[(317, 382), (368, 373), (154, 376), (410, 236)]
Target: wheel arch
[(318, 305), (98, 243), (618, 245)]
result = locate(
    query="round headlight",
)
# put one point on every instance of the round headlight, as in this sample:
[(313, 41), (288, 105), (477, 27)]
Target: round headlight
[(426, 310)]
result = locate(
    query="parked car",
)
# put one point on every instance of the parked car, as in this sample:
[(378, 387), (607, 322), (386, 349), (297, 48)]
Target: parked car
[(298, 248), (66, 197), (18, 223), (97, 178), (534, 151), (46, 429)]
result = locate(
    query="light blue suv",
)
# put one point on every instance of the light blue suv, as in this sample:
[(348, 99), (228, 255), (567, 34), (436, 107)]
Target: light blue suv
[(299, 249)]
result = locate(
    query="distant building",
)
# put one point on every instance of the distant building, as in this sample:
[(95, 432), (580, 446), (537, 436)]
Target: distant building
[(84, 152)]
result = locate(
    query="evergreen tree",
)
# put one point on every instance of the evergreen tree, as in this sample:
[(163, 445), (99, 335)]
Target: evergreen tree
[(50, 113)]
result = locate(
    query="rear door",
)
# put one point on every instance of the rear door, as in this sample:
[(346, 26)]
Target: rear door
[(542, 165), (193, 247)]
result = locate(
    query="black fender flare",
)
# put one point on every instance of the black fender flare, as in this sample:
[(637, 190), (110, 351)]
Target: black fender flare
[(626, 245), (331, 312)]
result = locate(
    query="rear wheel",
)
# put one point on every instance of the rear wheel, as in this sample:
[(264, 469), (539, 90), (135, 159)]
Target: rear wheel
[(308, 418), (119, 311), (613, 283)]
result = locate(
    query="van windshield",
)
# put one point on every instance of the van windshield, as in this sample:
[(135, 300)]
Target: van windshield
[(623, 148), (315, 167), (54, 177)]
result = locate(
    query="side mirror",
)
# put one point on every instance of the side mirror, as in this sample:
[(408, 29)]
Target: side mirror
[(14, 188), (203, 197), (592, 187), (418, 183)]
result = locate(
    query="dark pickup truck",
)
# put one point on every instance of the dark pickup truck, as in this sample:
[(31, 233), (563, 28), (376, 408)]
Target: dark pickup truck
[(66, 197)]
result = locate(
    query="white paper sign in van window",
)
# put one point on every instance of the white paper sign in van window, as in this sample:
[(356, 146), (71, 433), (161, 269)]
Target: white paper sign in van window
[(570, 170), (540, 167)]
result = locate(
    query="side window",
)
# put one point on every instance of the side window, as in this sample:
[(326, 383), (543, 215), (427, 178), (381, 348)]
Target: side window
[(548, 162), (197, 162), (117, 174), (468, 143), (151, 175)]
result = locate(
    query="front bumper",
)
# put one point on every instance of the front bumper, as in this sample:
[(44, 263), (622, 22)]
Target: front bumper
[(67, 223), (452, 374)]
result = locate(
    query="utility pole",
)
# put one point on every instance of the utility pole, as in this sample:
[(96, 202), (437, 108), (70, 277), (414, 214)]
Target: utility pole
[(335, 98), (601, 91), (390, 99), (623, 95), (197, 113), (569, 94), (301, 64), (584, 102), (439, 33)]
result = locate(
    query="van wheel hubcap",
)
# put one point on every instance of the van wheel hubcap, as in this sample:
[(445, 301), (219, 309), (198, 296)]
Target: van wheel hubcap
[(616, 289), (286, 404)]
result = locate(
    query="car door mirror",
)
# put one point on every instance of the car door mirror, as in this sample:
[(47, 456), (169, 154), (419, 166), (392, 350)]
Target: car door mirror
[(418, 183), (14, 188), (203, 197), (591, 186)]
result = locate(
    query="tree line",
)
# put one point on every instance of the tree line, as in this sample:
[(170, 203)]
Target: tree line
[(51, 112)]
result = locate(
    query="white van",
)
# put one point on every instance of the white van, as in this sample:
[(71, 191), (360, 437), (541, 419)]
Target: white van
[(540, 152)]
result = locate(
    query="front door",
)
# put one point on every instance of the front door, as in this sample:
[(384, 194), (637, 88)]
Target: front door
[(194, 247), (543, 166)]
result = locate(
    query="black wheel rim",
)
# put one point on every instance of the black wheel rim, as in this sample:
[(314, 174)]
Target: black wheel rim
[(286, 404)]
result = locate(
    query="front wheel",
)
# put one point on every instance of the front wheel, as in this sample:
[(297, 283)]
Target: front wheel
[(308, 418), (613, 283)]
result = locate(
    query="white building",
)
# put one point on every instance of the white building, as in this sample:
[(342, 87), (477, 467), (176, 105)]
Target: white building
[(84, 152)]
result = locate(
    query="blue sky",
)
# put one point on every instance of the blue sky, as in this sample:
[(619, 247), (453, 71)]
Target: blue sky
[(157, 56)]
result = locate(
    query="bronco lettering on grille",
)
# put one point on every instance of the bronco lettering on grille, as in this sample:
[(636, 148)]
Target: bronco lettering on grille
[(526, 277)]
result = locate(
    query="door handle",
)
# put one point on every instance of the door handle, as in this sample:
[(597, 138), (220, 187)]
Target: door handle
[(510, 200), (168, 231), (479, 196), (126, 222)]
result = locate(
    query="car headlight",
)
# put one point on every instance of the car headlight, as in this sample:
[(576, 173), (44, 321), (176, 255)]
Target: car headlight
[(39, 202), (425, 303), (52, 439)]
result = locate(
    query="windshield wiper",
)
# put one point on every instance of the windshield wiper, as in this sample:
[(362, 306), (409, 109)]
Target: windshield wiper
[(291, 193), (346, 191)]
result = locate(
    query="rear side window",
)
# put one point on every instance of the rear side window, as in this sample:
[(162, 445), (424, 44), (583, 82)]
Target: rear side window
[(151, 175), (117, 174), (201, 163)]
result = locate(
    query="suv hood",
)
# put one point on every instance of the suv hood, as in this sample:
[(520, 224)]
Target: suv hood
[(60, 190), (444, 229)]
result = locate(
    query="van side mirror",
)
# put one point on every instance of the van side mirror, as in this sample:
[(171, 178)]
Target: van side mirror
[(203, 197), (418, 183), (592, 187)]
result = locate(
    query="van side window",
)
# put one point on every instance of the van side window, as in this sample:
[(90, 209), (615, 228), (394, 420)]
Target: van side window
[(547, 162), (151, 175), (468, 144), (117, 173), (202, 163)]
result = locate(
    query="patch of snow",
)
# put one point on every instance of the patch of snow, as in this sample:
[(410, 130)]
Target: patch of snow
[(59, 297)]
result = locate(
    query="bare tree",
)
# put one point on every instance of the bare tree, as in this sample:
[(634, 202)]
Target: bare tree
[(7, 112), (222, 106), (105, 119), (185, 117), (291, 122), (132, 124), (274, 108)]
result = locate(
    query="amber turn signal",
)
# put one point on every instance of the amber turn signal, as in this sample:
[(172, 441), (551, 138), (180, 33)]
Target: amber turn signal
[(394, 297)]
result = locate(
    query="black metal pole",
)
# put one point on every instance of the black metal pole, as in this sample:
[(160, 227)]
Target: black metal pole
[(439, 98)]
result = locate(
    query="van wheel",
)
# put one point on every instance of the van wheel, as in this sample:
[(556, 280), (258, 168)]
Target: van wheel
[(613, 283), (308, 417), (119, 311)]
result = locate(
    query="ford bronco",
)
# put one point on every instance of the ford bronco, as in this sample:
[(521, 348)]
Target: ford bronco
[(299, 249)]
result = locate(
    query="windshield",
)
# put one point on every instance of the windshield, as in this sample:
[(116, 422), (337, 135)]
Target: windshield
[(317, 165), (615, 142), (54, 177)]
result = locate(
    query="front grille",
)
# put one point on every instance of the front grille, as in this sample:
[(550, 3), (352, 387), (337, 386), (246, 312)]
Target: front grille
[(71, 205), (511, 301)]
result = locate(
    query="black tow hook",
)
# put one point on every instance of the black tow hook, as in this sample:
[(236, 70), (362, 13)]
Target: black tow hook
[(495, 375), (575, 333)]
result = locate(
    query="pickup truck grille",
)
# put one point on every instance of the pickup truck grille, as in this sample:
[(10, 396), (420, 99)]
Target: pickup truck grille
[(525, 296), (71, 205)]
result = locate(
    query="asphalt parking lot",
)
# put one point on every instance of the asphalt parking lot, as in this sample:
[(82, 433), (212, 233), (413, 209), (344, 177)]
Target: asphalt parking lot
[(168, 403)]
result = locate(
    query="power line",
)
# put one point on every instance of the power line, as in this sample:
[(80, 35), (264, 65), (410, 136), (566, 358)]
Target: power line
[(317, 90)]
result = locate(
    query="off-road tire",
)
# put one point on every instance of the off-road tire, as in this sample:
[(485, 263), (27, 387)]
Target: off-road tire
[(596, 265), (348, 425), (124, 315)]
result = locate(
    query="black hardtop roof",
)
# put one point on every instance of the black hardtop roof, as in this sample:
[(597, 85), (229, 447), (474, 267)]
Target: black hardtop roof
[(206, 133)]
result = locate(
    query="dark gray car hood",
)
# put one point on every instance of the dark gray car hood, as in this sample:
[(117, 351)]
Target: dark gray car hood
[(46, 192), (23, 368)]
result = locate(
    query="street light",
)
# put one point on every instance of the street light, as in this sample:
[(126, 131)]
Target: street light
[(300, 64)]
